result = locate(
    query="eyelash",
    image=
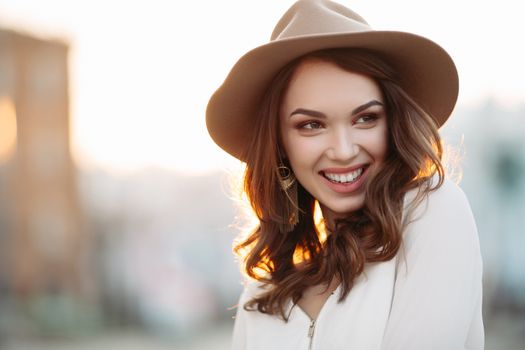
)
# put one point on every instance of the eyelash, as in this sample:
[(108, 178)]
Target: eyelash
[(308, 124), (373, 118)]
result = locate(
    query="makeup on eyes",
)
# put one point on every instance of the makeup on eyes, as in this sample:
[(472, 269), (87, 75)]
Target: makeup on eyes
[(318, 119), (321, 115)]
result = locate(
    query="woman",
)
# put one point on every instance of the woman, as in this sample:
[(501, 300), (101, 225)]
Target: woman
[(334, 114)]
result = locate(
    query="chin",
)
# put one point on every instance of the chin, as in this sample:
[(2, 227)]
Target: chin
[(348, 210), (341, 210)]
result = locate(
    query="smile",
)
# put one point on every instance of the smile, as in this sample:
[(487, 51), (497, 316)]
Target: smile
[(344, 178)]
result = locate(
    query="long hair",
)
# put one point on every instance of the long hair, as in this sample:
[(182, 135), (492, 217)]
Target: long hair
[(372, 233)]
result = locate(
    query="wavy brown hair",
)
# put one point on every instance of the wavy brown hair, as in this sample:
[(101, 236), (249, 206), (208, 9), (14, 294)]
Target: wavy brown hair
[(371, 234)]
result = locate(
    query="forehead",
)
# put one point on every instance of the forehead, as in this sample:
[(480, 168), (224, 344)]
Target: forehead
[(316, 83)]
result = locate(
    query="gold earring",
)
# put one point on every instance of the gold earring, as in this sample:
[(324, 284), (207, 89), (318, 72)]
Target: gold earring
[(286, 177), (288, 184)]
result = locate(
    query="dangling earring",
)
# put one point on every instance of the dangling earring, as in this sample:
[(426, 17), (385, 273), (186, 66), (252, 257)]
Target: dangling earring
[(288, 184), (286, 177)]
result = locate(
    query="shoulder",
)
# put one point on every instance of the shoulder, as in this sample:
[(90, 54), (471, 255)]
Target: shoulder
[(446, 202), (449, 196), (438, 274), (252, 288), (443, 216)]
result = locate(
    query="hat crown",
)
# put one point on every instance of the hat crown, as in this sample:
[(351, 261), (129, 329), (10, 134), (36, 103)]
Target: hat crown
[(318, 17), (425, 71)]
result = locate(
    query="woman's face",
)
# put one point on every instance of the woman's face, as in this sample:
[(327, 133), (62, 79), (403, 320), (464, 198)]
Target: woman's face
[(334, 133)]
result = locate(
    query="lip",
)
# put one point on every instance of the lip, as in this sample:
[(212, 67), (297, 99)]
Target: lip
[(345, 188), (343, 170)]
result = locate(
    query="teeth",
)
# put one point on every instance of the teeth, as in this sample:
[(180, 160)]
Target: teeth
[(344, 178)]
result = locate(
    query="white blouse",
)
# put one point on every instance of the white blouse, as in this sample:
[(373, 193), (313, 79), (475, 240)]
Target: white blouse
[(428, 297)]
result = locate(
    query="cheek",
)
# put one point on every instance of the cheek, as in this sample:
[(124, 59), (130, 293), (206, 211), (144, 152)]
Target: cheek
[(374, 142), (302, 151)]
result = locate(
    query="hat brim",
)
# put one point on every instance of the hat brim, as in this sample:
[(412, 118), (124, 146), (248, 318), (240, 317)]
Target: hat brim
[(426, 72)]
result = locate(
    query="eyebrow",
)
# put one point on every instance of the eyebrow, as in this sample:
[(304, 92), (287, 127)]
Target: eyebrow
[(318, 114)]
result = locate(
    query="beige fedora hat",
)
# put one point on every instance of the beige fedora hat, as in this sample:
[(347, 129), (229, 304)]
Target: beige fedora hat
[(426, 71)]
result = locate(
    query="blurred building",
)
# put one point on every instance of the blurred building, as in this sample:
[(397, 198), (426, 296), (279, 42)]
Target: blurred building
[(42, 242), (80, 250)]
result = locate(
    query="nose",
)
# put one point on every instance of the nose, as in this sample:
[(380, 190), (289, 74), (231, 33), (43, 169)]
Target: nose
[(343, 146)]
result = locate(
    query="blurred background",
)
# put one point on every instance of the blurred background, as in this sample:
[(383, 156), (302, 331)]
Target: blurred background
[(116, 218)]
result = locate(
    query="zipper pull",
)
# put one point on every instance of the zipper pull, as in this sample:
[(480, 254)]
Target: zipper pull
[(311, 329)]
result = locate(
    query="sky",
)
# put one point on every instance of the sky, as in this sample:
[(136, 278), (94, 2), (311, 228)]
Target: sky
[(142, 71)]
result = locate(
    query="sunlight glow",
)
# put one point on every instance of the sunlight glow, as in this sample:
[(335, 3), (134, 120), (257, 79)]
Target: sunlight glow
[(8, 129), (142, 74)]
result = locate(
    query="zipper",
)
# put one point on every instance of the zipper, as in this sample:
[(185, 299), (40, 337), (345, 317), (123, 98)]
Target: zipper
[(311, 330)]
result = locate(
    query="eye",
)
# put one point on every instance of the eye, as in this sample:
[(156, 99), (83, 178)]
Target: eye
[(311, 125), (366, 119)]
